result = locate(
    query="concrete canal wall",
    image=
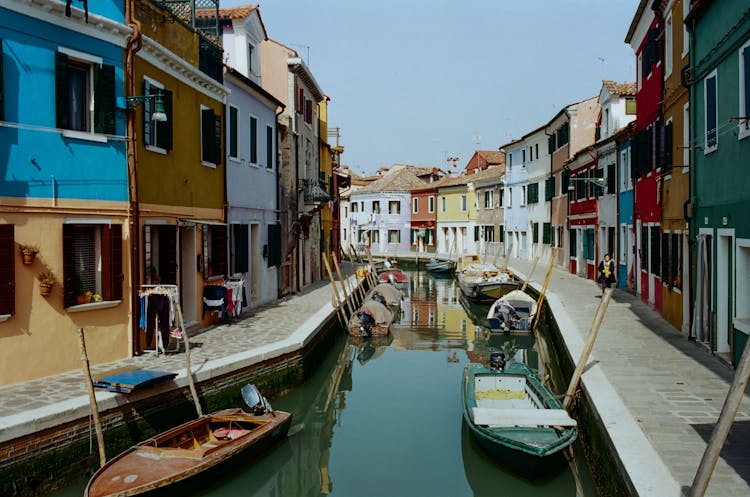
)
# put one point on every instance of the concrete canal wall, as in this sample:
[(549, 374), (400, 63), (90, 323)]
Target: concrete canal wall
[(44, 447)]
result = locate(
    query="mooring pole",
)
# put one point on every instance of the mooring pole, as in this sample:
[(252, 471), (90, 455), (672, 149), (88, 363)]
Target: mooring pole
[(188, 368), (343, 288), (723, 425), (528, 278), (339, 307), (539, 301), (593, 332), (92, 398), (360, 287)]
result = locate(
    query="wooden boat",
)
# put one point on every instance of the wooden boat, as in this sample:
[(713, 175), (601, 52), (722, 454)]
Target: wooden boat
[(437, 266), (515, 418), (378, 310), (513, 312), (184, 452), (485, 283), (393, 276)]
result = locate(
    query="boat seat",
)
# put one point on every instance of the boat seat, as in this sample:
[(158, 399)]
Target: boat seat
[(522, 418)]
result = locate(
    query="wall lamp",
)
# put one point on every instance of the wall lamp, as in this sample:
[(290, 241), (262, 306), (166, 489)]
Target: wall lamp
[(159, 115), (600, 182)]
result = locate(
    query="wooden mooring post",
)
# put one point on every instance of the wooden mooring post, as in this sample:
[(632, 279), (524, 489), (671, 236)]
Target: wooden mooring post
[(593, 332), (360, 291), (528, 278), (188, 367), (349, 306), (92, 399), (543, 292), (336, 299)]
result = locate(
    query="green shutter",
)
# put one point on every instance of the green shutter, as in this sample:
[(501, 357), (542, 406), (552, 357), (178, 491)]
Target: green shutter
[(241, 251), (668, 141), (104, 99), (535, 228), (61, 91), (112, 275), (253, 140), (476, 233), (547, 233), (207, 132)]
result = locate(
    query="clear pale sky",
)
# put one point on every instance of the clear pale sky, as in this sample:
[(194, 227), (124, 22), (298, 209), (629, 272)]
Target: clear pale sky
[(417, 81)]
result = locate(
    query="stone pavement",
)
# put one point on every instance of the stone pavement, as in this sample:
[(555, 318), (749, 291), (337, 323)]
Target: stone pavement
[(672, 389), (264, 332)]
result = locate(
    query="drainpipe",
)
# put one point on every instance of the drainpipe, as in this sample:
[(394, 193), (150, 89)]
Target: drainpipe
[(279, 271), (135, 43)]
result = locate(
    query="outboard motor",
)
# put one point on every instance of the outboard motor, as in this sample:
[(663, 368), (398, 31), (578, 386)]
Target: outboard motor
[(366, 322), (497, 361), (256, 403)]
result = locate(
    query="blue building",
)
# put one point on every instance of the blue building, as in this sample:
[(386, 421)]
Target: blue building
[(64, 186), (625, 236)]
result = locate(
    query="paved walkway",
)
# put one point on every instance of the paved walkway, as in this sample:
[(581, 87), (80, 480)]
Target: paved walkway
[(672, 388)]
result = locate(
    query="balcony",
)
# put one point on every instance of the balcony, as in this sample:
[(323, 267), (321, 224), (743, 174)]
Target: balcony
[(315, 190)]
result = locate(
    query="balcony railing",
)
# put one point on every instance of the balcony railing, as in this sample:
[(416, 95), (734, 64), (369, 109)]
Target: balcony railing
[(315, 190)]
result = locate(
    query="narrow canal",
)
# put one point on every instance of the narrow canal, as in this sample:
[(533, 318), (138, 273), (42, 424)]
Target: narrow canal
[(384, 417)]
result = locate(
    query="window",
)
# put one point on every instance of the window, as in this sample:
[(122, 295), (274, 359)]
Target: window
[(510, 197), (7, 269), (394, 207), (655, 249), (588, 247), (214, 250), (92, 261), (685, 34), (638, 70), (535, 233), (501, 234), (210, 137), (534, 193), (355, 207), (488, 199), (523, 156), (549, 188), (233, 132), (269, 147), (560, 236), (415, 205), (253, 140), (250, 57), (374, 236), (611, 179), (501, 197), (300, 101), (414, 236), (630, 106), (157, 135), (85, 94), (547, 233), (240, 249), (686, 136), (463, 203), (644, 248), (623, 253), (308, 111), (429, 236), (650, 52), (523, 195), (442, 204), (376, 206), (668, 45), (489, 233), (744, 124), (572, 248), (274, 245), (394, 236), (431, 204), (625, 180), (711, 111), (665, 262), (536, 149), (476, 233)]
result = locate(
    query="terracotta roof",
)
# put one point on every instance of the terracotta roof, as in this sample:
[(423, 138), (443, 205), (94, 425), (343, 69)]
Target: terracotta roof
[(492, 156), (490, 172), (401, 181), (453, 181), (626, 89), (230, 13)]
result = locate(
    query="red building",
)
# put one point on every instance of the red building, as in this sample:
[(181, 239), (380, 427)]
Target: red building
[(423, 218), (647, 151), (482, 159), (583, 221)]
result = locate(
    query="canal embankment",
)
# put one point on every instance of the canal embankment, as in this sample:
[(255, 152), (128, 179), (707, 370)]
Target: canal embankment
[(46, 435), (654, 395)]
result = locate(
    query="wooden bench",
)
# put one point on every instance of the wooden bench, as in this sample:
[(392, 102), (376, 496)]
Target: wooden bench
[(522, 418)]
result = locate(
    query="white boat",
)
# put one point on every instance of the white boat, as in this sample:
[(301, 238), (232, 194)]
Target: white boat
[(513, 312)]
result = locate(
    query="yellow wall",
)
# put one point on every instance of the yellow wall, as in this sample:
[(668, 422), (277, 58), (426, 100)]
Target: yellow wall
[(40, 339), (177, 177), (158, 24), (326, 216), (453, 210)]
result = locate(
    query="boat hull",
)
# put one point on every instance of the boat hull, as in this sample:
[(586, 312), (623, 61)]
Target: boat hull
[(485, 292), (440, 267), (529, 451), (152, 469), (525, 307)]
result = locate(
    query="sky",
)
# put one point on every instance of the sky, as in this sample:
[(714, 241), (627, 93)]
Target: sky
[(419, 81)]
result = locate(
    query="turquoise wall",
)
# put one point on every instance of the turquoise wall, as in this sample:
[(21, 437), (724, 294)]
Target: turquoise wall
[(35, 159)]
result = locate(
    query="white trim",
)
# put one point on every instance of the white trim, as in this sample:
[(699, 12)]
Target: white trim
[(155, 149), (87, 220), (92, 306), (235, 158), (668, 45), (53, 12), (706, 149), (82, 56), (5, 317), (84, 135), (743, 128)]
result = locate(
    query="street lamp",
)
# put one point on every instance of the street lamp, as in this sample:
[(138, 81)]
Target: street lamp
[(159, 115)]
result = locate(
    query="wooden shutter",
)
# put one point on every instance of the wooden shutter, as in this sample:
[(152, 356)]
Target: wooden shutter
[(2, 86), (711, 136), (219, 250), (572, 240), (253, 140), (104, 99), (535, 230), (112, 275), (61, 91), (217, 140), (168, 254), (274, 245), (7, 269), (232, 130), (300, 101), (241, 252), (69, 267), (269, 147), (655, 250), (207, 135)]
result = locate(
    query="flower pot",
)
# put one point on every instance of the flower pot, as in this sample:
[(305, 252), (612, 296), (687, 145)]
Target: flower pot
[(28, 258), (44, 289)]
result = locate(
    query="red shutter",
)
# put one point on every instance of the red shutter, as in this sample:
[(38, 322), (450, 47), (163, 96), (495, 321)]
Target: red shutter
[(300, 101), (69, 268), (7, 269)]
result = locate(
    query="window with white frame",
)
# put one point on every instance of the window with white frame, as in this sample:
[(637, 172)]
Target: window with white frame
[(488, 199), (685, 34), (464, 204), (415, 205), (744, 121), (394, 236), (510, 197), (250, 58), (623, 245), (431, 204), (374, 236), (625, 179), (394, 207), (92, 263), (638, 75), (253, 140), (711, 111), (523, 195), (269, 147), (442, 204), (85, 95), (233, 132), (157, 135), (668, 45), (355, 207), (376, 206)]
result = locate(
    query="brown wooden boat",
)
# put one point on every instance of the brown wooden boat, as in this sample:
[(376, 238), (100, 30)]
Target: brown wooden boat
[(185, 451)]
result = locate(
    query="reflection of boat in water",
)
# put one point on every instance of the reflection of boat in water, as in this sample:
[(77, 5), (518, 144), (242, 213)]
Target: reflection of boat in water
[(369, 348), (485, 282), (512, 313), (476, 312), (515, 418), (440, 267)]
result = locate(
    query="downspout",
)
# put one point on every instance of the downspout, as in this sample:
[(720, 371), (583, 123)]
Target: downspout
[(691, 204), (135, 43), (280, 272)]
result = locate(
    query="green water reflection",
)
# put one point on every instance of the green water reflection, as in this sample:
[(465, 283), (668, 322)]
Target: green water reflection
[(383, 418)]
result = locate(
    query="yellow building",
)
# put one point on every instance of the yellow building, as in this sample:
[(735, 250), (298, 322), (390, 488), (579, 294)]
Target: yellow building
[(456, 216), (326, 180)]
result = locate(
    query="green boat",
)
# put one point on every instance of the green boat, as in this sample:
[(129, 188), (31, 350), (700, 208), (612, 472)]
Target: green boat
[(515, 418)]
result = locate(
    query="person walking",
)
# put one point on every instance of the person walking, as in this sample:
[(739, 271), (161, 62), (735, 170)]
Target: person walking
[(607, 273)]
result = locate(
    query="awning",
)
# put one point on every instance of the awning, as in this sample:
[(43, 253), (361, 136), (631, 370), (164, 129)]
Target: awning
[(194, 222)]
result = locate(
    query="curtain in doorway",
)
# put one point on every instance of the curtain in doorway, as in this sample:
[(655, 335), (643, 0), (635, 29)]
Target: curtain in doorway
[(701, 312)]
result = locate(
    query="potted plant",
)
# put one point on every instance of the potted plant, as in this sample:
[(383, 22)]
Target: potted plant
[(28, 252), (47, 280)]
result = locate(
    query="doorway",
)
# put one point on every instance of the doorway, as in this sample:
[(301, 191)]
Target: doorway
[(188, 273), (724, 289), (255, 263)]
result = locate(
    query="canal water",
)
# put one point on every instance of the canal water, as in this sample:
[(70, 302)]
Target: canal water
[(383, 417)]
